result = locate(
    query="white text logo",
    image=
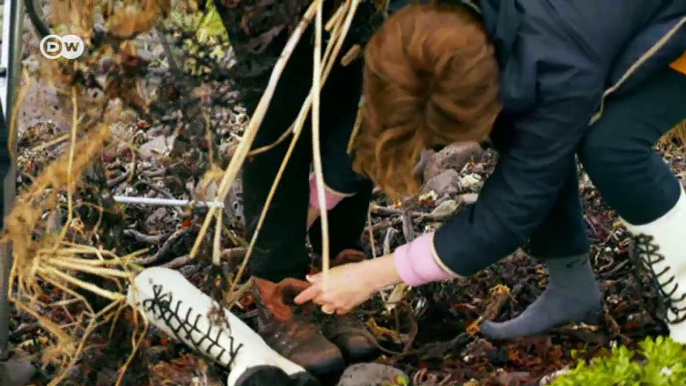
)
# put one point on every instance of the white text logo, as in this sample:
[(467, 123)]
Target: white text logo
[(68, 46)]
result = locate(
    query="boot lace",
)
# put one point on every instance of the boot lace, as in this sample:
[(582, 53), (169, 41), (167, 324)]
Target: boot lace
[(645, 253)]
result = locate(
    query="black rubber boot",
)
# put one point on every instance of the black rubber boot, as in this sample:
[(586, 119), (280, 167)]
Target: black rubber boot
[(280, 249), (346, 223)]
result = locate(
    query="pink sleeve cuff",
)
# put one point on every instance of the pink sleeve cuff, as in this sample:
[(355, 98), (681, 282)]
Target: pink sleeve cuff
[(415, 262), (331, 199)]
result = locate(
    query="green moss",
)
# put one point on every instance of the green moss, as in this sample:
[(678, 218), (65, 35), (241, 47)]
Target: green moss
[(399, 380), (655, 362), (211, 25), (206, 27)]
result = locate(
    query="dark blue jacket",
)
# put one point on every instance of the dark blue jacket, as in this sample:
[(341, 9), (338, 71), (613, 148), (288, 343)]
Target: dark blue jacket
[(559, 60)]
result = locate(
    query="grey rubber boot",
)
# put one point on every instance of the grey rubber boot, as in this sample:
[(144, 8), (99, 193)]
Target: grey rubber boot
[(16, 373), (572, 295)]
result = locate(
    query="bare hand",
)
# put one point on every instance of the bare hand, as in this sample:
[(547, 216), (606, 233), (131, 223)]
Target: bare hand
[(347, 286)]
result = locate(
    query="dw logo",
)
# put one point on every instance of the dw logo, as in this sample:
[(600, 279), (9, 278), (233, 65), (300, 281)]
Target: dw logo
[(67, 46)]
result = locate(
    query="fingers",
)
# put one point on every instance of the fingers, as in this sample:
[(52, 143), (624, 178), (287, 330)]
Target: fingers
[(314, 278), (315, 295), (337, 299), (331, 304), (308, 294), (319, 297), (339, 309), (328, 309)]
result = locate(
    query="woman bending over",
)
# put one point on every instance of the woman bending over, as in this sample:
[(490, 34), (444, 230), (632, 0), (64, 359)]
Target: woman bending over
[(548, 82)]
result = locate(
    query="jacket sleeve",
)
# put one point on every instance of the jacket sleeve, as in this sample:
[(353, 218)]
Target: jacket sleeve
[(517, 197)]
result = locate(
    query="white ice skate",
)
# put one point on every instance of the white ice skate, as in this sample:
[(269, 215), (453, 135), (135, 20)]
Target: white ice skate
[(660, 246), (181, 310)]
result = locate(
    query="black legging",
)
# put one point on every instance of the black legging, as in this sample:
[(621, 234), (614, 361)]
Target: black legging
[(618, 156), (280, 249)]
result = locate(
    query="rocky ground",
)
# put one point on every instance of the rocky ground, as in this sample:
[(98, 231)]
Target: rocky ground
[(426, 334)]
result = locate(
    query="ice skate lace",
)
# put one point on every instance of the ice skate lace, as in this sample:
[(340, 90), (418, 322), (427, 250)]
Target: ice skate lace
[(645, 253), (164, 307)]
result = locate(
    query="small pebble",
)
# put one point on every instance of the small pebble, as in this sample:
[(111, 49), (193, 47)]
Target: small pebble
[(469, 198), (445, 208), (372, 374)]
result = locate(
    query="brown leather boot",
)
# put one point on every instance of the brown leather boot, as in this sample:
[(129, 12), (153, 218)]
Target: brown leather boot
[(346, 331), (351, 336), (287, 329)]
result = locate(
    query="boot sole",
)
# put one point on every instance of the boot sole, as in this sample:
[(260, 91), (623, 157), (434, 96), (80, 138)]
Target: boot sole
[(326, 367), (592, 316), (361, 355)]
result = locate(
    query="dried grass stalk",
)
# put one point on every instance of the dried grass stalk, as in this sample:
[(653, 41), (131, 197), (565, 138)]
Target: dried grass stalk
[(123, 20), (51, 260), (316, 148), (73, 17), (133, 18)]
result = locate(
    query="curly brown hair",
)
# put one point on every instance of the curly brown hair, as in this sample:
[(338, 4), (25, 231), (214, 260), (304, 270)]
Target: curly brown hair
[(430, 79)]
